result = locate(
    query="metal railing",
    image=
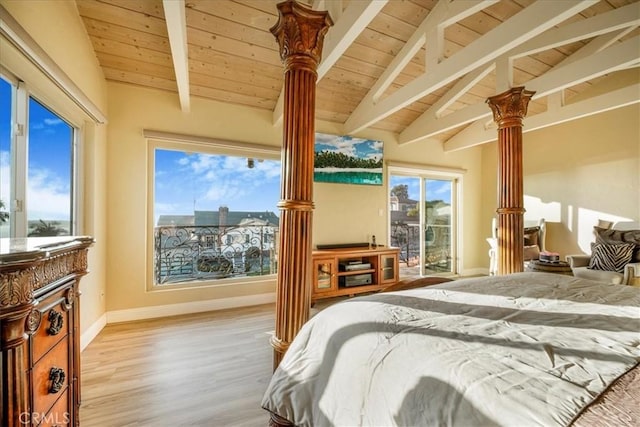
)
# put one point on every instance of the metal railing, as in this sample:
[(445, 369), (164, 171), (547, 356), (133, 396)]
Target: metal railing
[(192, 253), (437, 257)]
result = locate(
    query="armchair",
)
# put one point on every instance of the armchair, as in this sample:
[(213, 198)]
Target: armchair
[(620, 264), (534, 238)]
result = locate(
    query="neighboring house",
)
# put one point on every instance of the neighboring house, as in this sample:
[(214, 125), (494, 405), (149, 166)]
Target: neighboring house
[(218, 244)]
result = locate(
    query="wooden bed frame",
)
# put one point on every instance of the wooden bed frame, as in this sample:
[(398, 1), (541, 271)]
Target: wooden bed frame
[(300, 33)]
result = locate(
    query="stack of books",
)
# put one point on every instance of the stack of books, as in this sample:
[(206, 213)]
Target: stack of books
[(547, 256)]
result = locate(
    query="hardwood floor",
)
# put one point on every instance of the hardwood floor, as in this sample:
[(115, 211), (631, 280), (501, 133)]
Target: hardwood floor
[(206, 369)]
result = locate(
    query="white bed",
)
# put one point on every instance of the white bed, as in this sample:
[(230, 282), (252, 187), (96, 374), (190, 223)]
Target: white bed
[(519, 350)]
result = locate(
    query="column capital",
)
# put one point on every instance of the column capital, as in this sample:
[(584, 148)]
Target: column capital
[(300, 33), (510, 107)]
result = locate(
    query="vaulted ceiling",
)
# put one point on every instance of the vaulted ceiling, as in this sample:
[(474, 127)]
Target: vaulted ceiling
[(418, 68)]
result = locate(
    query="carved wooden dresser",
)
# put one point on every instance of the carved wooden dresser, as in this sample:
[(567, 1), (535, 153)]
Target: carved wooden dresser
[(39, 331)]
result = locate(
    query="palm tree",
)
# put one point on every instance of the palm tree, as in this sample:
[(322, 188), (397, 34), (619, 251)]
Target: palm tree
[(47, 229), (4, 215)]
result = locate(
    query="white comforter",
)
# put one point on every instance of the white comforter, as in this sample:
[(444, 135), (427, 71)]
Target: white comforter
[(529, 349)]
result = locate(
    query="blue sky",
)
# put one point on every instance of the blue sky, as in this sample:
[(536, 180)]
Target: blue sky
[(206, 182), (49, 179), (354, 147), (436, 189)]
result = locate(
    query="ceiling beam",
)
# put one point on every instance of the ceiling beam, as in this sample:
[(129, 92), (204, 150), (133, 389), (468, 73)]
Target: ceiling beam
[(523, 26), (175, 16), (442, 15), (617, 19), (353, 20), (477, 133), (619, 56)]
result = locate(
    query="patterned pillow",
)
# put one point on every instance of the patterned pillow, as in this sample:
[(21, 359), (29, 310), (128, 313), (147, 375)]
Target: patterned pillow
[(611, 236), (610, 257)]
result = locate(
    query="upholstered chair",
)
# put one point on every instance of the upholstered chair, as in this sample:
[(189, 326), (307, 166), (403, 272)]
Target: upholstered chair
[(614, 258), (534, 237)]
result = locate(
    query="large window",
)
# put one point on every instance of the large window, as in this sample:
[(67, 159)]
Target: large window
[(215, 214), (36, 167), (422, 208)]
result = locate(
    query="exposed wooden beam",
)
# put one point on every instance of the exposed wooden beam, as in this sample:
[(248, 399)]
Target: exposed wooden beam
[(613, 58), (442, 15), (353, 20), (460, 88), (523, 26), (618, 19), (597, 45), (619, 56), (478, 133), (175, 16)]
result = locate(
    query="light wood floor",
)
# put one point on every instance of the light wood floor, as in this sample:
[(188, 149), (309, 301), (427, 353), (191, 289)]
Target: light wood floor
[(207, 369)]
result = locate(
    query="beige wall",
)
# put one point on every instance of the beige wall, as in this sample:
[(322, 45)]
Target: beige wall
[(57, 28), (343, 213), (575, 174)]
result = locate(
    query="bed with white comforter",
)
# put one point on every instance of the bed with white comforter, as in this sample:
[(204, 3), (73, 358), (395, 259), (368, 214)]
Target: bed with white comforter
[(528, 349)]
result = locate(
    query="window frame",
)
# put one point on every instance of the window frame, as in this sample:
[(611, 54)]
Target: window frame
[(424, 172), (21, 94), (196, 144)]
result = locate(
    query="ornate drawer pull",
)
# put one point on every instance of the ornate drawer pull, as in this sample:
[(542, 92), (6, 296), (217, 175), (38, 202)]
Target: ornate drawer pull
[(56, 321), (57, 376)]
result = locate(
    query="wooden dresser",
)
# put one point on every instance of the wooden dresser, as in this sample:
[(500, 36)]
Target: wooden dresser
[(39, 331)]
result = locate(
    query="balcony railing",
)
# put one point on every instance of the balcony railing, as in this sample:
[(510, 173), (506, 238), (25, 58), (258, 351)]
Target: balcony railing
[(192, 253), (437, 256)]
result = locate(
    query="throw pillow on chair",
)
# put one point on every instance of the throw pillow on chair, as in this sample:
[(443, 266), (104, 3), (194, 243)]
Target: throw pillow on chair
[(611, 256)]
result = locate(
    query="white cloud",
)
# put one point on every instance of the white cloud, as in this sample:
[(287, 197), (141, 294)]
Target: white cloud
[(4, 177), (52, 122), (48, 194), (213, 180)]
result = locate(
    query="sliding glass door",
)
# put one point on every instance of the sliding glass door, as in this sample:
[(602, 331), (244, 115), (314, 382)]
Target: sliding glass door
[(423, 222)]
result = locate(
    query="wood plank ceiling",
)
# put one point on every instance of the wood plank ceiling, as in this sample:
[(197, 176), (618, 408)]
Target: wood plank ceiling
[(457, 53)]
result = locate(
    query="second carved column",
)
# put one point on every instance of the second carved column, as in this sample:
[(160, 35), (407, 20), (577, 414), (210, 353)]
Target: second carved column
[(509, 108)]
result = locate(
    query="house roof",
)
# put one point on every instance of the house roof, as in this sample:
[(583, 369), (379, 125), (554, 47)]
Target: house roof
[(167, 220), (418, 68), (235, 218)]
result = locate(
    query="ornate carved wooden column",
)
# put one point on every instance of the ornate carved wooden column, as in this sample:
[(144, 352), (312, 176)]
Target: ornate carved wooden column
[(509, 108), (300, 32)]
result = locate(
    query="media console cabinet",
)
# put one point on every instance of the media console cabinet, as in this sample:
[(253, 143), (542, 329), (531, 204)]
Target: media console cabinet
[(39, 329), (350, 271)]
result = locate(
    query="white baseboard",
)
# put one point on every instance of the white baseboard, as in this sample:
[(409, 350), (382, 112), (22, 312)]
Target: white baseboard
[(142, 313), (92, 331)]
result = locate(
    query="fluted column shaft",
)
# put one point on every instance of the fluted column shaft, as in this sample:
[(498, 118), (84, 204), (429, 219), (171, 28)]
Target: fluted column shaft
[(509, 108), (300, 32)]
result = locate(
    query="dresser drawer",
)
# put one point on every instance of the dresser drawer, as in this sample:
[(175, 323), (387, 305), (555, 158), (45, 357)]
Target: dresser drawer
[(59, 415), (54, 323), (51, 377)]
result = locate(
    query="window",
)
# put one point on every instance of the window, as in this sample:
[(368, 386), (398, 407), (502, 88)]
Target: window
[(214, 213), (36, 167), (6, 94), (423, 219)]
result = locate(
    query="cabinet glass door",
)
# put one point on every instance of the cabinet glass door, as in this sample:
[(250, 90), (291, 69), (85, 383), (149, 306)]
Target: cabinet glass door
[(388, 268), (324, 275)]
